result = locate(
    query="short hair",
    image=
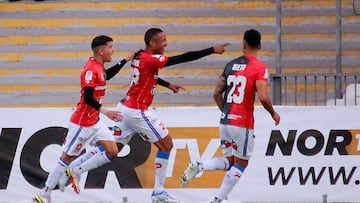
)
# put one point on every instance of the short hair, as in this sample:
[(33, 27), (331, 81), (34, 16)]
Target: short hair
[(252, 37), (100, 41), (150, 34)]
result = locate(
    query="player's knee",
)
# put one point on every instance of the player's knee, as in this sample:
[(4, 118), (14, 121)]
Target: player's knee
[(165, 146), (168, 147), (113, 153)]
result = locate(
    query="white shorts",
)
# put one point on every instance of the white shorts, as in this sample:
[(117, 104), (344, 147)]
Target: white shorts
[(142, 122), (237, 141), (78, 137)]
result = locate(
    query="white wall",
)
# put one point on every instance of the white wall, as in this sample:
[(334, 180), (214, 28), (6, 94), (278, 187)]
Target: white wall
[(310, 170)]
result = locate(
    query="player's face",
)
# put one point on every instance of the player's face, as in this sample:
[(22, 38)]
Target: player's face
[(107, 52), (159, 43)]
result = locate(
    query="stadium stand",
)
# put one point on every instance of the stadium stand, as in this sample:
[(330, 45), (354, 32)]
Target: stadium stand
[(44, 45)]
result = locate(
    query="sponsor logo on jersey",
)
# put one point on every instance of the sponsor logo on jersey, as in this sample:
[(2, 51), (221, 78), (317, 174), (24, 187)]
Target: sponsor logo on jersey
[(233, 116), (100, 87)]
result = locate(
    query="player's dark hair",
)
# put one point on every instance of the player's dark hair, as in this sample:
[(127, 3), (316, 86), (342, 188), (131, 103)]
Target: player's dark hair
[(252, 37), (100, 41), (150, 34)]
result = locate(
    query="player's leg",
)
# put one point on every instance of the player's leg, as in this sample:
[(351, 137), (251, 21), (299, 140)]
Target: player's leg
[(216, 163), (79, 160), (59, 169), (100, 136), (107, 150), (159, 194), (243, 144), (82, 139), (151, 129), (121, 135), (55, 174), (196, 167), (161, 162)]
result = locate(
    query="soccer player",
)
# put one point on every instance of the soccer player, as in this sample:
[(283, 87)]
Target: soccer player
[(137, 117), (85, 127), (76, 167), (234, 94)]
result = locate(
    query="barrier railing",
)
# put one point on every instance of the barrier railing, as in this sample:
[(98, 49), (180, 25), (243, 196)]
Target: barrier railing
[(317, 89), (356, 6)]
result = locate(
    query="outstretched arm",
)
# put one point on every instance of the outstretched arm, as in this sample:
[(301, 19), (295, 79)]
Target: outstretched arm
[(194, 55), (112, 71)]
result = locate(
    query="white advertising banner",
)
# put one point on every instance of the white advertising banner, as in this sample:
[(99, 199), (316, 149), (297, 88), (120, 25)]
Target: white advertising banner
[(312, 156)]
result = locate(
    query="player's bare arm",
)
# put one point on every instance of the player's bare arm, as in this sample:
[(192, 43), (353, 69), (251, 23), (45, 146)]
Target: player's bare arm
[(194, 55), (113, 115), (261, 88), (112, 71), (219, 89)]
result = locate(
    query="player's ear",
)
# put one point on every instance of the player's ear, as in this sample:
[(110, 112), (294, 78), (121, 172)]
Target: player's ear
[(101, 51), (152, 43)]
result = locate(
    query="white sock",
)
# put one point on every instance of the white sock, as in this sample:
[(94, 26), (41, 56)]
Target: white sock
[(84, 157), (94, 161), (232, 176), (217, 163), (54, 176), (161, 162)]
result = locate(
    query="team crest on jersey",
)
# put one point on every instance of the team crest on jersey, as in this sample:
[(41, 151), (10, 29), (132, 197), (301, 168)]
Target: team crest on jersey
[(116, 131), (88, 77), (225, 144)]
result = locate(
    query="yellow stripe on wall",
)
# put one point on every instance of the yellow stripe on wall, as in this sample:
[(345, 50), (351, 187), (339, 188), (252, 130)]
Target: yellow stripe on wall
[(119, 6), (99, 22)]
